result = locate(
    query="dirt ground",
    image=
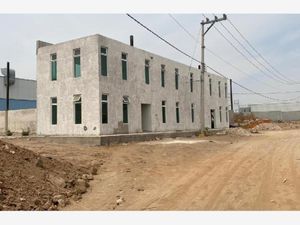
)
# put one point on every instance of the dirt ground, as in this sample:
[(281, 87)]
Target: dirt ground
[(259, 172)]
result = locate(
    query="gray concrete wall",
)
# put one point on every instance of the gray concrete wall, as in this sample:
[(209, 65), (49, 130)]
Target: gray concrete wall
[(278, 115), (66, 86), (21, 89), (19, 120), (214, 101), (91, 85)]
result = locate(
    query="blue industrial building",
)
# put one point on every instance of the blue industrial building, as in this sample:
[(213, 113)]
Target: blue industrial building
[(22, 94)]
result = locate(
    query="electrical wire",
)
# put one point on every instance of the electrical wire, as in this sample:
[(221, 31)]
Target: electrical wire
[(256, 51)]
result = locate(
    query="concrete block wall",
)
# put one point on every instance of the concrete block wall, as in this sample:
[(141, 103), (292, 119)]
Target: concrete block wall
[(19, 120)]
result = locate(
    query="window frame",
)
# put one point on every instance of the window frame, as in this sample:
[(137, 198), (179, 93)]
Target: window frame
[(53, 104), (78, 102), (162, 75), (103, 101), (106, 61), (51, 66), (220, 113), (219, 89), (147, 71), (226, 90), (176, 78), (191, 82), (164, 111), (75, 56), (177, 113), (126, 65)]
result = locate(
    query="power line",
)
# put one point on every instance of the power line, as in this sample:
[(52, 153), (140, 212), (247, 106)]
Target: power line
[(254, 92), (254, 58), (238, 69), (268, 93), (214, 54), (164, 40), (198, 60), (257, 52)]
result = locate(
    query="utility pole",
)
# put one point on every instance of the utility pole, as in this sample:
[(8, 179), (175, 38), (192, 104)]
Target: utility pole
[(231, 98), (7, 99), (202, 98)]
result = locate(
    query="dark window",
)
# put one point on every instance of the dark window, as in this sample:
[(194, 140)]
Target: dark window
[(192, 112), (54, 110), (177, 113), (220, 112), (77, 69), (53, 67), (147, 75), (163, 111), (125, 112), (176, 79), (77, 108), (103, 61), (124, 66), (104, 106), (162, 75), (210, 87), (219, 87), (225, 90), (191, 82)]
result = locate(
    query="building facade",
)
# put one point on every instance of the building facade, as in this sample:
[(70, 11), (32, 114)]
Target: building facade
[(22, 94), (98, 86)]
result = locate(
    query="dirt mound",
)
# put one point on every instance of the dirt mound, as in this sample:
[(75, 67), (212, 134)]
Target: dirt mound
[(266, 126), (238, 131), (29, 181)]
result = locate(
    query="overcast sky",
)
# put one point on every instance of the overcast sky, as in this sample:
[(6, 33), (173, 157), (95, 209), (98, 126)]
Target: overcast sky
[(275, 36)]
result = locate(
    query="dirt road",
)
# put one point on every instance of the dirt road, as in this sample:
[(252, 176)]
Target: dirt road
[(217, 173)]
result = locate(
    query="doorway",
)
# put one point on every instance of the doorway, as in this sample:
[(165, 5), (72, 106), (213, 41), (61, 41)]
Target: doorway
[(212, 119), (146, 117)]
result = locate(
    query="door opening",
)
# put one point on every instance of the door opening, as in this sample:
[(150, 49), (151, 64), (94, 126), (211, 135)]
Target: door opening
[(146, 117), (212, 118)]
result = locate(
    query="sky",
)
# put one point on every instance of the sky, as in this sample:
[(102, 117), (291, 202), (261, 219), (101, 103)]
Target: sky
[(275, 36)]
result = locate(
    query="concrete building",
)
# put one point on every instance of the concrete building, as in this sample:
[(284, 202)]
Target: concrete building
[(22, 94), (95, 86)]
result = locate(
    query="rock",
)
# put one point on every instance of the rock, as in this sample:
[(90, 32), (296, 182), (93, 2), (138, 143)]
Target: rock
[(1, 207), (87, 177), (39, 163), (94, 171), (81, 186), (22, 199), (2, 197), (284, 181), (140, 189), (6, 147), (61, 202), (77, 197), (119, 200), (56, 198), (12, 152), (58, 181)]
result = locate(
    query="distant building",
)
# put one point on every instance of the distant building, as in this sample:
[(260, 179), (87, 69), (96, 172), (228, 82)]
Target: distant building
[(245, 109), (22, 94), (97, 86)]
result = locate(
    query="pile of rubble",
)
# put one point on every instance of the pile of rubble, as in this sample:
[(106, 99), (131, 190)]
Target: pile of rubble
[(29, 181), (238, 131), (264, 127)]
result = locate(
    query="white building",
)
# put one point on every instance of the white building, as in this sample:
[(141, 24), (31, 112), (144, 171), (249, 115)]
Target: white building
[(95, 85)]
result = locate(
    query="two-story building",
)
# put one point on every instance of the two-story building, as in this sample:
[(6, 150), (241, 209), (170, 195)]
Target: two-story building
[(95, 86)]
